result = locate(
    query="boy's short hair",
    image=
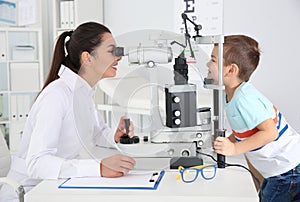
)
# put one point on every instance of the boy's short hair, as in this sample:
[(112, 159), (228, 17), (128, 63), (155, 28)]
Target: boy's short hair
[(242, 51)]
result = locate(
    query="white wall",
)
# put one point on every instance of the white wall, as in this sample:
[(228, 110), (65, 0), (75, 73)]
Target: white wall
[(128, 15), (275, 24)]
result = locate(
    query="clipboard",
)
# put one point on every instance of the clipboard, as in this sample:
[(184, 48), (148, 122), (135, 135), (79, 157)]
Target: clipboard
[(135, 180)]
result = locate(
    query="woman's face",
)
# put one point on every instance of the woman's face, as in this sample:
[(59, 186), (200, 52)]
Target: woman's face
[(104, 62)]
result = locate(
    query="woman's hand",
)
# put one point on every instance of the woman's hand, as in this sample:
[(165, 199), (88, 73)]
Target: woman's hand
[(116, 165), (121, 130)]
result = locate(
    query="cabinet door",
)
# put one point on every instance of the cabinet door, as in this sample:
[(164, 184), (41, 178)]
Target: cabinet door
[(24, 77), (15, 135), (3, 54), (23, 46), (4, 107)]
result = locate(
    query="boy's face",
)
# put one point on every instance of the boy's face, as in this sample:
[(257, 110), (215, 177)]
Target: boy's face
[(212, 65), (230, 72)]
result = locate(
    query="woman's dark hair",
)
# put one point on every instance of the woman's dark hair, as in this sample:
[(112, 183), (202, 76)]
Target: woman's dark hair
[(85, 37), (242, 51)]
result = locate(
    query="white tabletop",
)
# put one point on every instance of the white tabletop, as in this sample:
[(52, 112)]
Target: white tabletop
[(230, 184)]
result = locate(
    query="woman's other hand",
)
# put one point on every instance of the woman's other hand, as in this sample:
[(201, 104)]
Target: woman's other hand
[(116, 165)]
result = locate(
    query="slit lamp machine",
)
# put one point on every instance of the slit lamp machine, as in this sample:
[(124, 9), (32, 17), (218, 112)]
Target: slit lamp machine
[(186, 128)]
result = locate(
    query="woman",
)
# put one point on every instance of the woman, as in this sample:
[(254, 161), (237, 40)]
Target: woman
[(53, 139)]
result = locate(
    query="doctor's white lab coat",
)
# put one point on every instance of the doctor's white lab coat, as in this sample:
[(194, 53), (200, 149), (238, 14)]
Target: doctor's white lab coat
[(62, 123)]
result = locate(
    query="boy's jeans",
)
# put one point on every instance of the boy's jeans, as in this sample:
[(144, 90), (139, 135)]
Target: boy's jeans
[(281, 188)]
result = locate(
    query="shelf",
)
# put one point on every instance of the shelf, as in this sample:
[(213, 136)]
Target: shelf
[(21, 77), (18, 92), (23, 61), (20, 29), (68, 14), (129, 110), (64, 29)]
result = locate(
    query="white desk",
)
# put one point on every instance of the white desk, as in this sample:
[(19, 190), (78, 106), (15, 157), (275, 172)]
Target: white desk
[(230, 184)]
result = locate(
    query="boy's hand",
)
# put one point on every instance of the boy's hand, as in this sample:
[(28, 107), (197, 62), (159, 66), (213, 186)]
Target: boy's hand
[(222, 145)]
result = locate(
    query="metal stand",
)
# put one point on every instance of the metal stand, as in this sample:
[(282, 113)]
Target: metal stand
[(218, 96)]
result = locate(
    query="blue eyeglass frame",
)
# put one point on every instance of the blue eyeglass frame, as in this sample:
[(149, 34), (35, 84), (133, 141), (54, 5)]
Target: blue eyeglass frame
[(197, 172)]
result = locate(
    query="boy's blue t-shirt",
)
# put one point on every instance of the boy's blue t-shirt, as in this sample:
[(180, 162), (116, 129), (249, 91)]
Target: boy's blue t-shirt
[(248, 108)]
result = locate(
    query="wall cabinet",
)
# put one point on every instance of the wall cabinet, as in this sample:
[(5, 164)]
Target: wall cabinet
[(21, 78), (68, 14), (22, 63)]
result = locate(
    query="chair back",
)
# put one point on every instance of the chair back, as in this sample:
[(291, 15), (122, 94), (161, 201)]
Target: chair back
[(5, 157), (5, 160)]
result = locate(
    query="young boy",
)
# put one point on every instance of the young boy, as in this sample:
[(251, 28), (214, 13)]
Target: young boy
[(258, 128)]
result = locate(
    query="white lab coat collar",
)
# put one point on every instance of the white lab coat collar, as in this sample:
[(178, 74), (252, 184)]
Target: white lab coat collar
[(74, 81)]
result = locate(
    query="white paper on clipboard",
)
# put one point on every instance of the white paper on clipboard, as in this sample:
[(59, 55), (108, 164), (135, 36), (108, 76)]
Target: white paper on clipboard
[(133, 180)]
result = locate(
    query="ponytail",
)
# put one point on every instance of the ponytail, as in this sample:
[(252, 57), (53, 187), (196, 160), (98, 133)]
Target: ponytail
[(58, 58)]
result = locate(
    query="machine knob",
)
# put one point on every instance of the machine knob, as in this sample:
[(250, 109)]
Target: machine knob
[(199, 135), (150, 64), (176, 99), (177, 113), (200, 143), (171, 152), (185, 153), (177, 121), (145, 139)]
